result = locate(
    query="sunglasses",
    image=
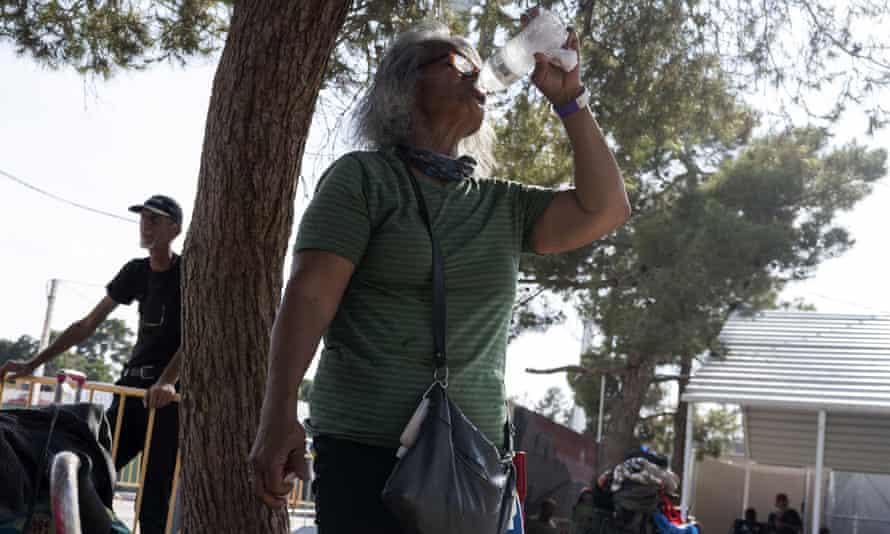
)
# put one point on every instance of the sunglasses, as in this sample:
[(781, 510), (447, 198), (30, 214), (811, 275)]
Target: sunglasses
[(462, 65)]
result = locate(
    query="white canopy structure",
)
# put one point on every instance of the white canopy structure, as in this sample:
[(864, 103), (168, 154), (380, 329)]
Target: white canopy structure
[(814, 391)]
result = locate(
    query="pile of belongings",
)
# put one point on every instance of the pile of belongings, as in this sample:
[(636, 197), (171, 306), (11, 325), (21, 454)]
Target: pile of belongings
[(29, 439), (634, 497)]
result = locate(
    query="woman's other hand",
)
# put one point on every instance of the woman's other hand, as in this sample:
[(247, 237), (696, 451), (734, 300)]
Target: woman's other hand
[(277, 459)]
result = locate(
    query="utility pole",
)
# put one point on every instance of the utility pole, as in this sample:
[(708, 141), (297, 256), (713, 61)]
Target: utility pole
[(44, 336), (599, 425)]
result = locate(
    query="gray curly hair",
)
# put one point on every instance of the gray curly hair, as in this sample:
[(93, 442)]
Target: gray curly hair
[(384, 115)]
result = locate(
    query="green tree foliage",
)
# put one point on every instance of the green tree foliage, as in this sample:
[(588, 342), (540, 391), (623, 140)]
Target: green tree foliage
[(799, 46), (97, 370), (715, 432), (102, 37), (717, 241), (721, 221), (20, 349), (113, 340), (91, 357)]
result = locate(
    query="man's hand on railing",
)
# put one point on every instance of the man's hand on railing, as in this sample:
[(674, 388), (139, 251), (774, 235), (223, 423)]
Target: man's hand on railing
[(159, 395), (16, 369)]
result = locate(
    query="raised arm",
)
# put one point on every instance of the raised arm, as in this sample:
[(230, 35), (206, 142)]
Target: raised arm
[(596, 205), (598, 202)]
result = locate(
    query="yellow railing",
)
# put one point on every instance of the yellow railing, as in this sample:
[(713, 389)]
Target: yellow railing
[(128, 478)]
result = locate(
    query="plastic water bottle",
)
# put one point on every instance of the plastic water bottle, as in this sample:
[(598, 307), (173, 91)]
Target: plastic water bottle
[(543, 34)]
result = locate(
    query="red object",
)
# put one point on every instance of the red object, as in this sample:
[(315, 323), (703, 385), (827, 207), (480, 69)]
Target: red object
[(521, 478), (667, 508)]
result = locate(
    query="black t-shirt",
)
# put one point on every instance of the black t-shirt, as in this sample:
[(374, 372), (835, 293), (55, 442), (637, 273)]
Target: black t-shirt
[(787, 522), (160, 310)]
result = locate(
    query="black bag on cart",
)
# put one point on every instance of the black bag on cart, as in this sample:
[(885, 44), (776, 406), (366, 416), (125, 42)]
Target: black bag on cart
[(29, 439)]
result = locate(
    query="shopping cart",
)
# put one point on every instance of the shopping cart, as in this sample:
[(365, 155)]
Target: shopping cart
[(68, 471)]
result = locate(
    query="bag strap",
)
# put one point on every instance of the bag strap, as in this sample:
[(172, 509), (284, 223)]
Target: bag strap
[(40, 471), (440, 308), (440, 359)]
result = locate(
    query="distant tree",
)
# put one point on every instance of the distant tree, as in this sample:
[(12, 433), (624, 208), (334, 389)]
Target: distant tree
[(113, 340), (20, 349), (715, 432), (706, 240), (96, 369), (89, 361), (305, 392), (554, 406)]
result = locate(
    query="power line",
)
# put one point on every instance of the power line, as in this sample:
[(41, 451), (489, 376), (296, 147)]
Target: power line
[(63, 200), (78, 282), (847, 302)]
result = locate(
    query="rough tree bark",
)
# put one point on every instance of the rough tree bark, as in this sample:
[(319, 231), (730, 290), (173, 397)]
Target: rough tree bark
[(625, 411), (262, 102)]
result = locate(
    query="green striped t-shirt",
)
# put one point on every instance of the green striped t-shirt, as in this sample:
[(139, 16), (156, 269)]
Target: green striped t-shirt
[(377, 357)]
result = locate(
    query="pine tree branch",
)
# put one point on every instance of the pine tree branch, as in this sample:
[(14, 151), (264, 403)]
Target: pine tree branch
[(855, 52), (580, 369), (657, 415), (531, 297), (668, 378)]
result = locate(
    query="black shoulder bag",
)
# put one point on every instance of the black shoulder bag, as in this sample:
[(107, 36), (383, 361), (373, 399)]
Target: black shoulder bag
[(452, 480)]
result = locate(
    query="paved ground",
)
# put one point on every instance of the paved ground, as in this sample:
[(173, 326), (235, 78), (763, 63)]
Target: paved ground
[(302, 521)]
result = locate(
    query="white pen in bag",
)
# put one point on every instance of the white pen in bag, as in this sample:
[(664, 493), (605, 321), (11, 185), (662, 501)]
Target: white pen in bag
[(412, 429)]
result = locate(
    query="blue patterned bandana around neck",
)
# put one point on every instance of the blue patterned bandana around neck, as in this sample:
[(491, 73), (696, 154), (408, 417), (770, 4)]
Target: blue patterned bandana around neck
[(437, 165)]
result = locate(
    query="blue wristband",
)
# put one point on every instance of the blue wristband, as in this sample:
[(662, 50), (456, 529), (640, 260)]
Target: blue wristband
[(575, 104)]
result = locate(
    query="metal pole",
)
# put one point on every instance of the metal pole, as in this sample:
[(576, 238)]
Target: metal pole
[(599, 419), (747, 494), (807, 499), (832, 493), (687, 462), (817, 491), (50, 304), (45, 334)]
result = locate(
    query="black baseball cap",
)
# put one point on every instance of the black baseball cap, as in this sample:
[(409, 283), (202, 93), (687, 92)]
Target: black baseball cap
[(162, 205)]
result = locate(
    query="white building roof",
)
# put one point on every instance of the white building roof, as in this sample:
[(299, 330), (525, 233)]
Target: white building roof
[(785, 367)]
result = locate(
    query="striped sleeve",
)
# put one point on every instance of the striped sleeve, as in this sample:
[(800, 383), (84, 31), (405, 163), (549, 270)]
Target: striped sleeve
[(337, 219), (531, 201)]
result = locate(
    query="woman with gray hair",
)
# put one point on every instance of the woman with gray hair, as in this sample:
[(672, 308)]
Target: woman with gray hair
[(362, 271)]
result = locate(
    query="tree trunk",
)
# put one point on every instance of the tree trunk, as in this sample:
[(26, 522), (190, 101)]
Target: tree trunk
[(625, 413), (677, 457), (261, 106)]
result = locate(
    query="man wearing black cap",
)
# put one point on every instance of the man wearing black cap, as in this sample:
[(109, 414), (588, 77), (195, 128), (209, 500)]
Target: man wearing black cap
[(154, 363)]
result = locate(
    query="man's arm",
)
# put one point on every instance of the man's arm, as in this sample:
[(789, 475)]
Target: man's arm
[(163, 391), (76, 333), (171, 372)]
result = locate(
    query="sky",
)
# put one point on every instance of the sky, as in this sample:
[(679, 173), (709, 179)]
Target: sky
[(111, 144)]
